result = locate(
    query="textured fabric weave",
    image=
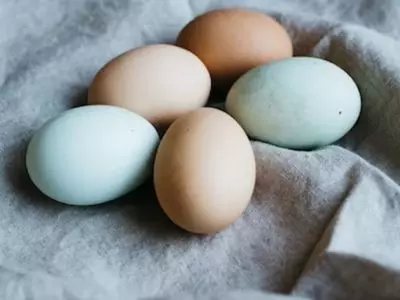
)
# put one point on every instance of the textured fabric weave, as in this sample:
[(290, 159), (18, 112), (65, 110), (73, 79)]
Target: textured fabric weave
[(321, 225)]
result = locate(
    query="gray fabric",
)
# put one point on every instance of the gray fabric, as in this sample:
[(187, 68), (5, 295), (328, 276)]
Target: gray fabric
[(321, 225)]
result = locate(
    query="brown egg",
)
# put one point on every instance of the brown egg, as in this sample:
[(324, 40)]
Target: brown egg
[(232, 41), (160, 82), (204, 171)]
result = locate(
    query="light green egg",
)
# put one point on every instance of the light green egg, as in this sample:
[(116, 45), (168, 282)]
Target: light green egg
[(92, 154), (298, 103)]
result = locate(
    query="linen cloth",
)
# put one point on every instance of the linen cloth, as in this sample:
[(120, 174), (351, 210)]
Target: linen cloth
[(322, 224)]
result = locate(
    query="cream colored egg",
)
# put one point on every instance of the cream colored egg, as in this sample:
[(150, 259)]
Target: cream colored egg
[(160, 82), (204, 171)]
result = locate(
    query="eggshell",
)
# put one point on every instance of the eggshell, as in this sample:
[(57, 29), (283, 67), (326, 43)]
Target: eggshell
[(204, 171), (159, 82), (232, 41), (91, 154), (300, 103)]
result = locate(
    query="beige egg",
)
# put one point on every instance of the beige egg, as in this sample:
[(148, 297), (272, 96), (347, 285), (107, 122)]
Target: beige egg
[(160, 82), (204, 171)]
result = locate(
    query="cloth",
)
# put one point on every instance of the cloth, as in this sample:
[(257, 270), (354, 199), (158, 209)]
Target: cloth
[(322, 224)]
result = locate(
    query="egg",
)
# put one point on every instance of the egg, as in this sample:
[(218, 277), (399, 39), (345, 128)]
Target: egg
[(160, 82), (299, 103), (232, 41), (204, 172), (91, 154)]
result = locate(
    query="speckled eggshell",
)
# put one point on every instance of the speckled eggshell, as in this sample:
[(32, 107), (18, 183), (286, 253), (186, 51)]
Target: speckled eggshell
[(204, 171), (300, 103), (91, 154)]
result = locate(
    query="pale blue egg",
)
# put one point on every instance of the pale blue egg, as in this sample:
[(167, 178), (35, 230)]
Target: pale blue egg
[(92, 154), (300, 102)]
